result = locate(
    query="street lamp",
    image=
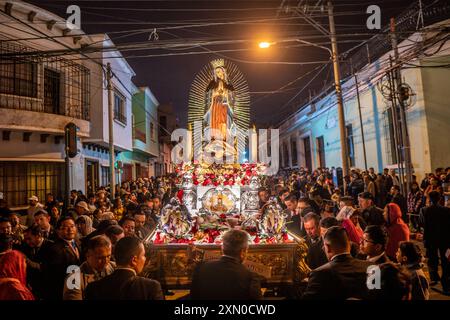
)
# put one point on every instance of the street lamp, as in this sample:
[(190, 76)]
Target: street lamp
[(264, 45)]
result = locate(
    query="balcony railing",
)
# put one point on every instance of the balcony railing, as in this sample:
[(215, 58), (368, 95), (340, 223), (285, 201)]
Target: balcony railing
[(42, 84)]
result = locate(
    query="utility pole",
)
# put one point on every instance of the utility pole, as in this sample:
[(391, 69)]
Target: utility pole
[(405, 149), (112, 176), (360, 119), (337, 83)]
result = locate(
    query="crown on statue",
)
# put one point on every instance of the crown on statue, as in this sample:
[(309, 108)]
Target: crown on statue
[(218, 63)]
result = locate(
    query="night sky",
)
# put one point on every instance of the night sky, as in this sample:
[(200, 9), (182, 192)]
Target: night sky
[(170, 77)]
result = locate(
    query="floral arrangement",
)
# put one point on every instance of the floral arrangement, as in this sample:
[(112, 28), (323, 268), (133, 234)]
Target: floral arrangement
[(220, 174)]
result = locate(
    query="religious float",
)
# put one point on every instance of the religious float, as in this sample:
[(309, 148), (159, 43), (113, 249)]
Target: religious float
[(215, 197)]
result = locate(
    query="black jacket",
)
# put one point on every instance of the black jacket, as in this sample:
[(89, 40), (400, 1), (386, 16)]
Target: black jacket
[(295, 225), (435, 221), (123, 284), (373, 216), (54, 269), (224, 279), (316, 256), (36, 257), (342, 278)]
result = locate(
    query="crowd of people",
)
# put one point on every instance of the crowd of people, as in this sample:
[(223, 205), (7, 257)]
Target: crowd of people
[(347, 230)]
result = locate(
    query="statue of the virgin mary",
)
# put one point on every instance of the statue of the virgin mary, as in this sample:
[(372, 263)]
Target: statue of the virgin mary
[(220, 103)]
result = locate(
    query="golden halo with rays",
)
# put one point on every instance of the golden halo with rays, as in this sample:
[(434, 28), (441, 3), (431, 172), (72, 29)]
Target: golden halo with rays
[(197, 96)]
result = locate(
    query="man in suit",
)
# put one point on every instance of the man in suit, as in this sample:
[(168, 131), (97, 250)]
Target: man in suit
[(343, 277), (316, 256), (291, 202), (373, 244), (435, 221), (227, 278), (37, 251), (141, 230), (371, 214), (42, 219), (295, 225), (124, 283), (98, 265), (65, 252)]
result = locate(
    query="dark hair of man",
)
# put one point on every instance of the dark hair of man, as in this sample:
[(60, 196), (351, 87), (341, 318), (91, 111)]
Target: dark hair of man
[(337, 238), (34, 230), (262, 190), (305, 200), (395, 283), (4, 219), (283, 191), (435, 196), (62, 219), (411, 251), (291, 198), (113, 230), (347, 200), (125, 218), (329, 222), (234, 241), (377, 234), (312, 216), (99, 241), (126, 248), (138, 213), (41, 212)]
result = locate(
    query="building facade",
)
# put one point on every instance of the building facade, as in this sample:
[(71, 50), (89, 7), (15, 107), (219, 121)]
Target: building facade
[(39, 95), (310, 138), (95, 151), (141, 162), (45, 83)]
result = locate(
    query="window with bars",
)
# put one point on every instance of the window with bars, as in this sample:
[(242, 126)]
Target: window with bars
[(18, 77), (120, 113), (105, 176), (21, 180)]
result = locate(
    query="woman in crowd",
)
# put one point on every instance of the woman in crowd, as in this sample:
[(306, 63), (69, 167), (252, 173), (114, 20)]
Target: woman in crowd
[(118, 209), (410, 256), (84, 226), (397, 229), (13, 284), (414, 203)]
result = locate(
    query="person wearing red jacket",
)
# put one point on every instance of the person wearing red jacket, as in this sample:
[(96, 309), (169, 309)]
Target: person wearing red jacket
[(13, 283), (397, 229)]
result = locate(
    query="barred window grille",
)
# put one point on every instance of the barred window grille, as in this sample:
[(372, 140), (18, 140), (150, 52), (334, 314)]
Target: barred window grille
[(39, 83)]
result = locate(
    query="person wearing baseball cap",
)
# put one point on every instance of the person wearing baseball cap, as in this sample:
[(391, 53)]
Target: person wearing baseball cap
[(34, 207), (370, 213), (82, 208)]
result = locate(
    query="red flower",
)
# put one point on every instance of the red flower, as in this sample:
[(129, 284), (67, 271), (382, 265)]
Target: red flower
[(215, 183), (256, 240), (223, 216)]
